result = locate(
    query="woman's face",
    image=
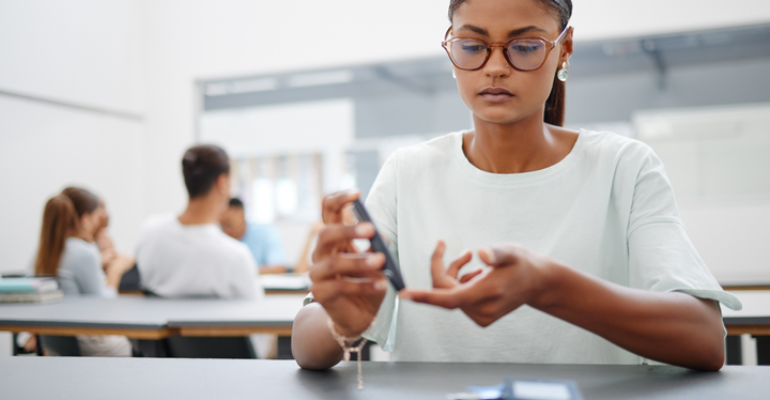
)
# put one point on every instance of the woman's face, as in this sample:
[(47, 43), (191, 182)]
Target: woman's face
[(104, 217), (494, 21), (90, 223)]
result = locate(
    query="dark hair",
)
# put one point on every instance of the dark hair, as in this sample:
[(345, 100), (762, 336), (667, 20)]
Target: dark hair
[(201, 166), (61, 217), (83, 200), (236, 202), (554, 106)]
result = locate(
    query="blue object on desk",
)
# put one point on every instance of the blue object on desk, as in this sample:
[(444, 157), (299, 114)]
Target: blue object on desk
[(28, 285), (523, 389)]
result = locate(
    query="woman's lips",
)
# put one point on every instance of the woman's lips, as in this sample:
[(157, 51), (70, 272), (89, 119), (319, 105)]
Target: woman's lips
[(496, 95)]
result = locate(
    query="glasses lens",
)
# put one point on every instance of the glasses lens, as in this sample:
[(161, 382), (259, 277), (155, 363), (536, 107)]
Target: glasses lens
[(527, 54), (468, 53)]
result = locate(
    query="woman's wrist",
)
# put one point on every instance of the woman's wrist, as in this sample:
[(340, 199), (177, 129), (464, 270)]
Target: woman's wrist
[(350, 331), (548, 284)]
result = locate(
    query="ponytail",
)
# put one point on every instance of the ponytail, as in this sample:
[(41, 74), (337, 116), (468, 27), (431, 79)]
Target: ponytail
[(554, 106), (59, 221)]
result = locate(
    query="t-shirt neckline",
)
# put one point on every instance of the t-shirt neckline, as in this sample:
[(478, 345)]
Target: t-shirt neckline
[(514, 179)]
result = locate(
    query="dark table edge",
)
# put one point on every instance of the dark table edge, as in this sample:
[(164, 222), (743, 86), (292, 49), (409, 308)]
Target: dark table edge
[(746, 320), (91, 325), (214, 324)]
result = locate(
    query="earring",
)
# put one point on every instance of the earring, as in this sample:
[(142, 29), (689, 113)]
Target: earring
[(563, 73)]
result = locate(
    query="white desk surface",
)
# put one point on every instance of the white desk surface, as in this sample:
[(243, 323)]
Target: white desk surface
[(136, 311), (274, 310)]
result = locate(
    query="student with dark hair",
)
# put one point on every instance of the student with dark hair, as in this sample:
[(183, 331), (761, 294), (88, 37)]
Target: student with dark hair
[(581, 256), (263, 241), (67, 251), (189, 255)]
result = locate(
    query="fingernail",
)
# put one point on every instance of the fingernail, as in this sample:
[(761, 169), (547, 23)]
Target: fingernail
[(404, 296), (364, 229), (490, 254), (380, 285), (374, 260)]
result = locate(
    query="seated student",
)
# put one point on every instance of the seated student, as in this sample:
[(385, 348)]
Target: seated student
[(66, 250), (595, 265), (263, 240), (189, 255), (103, 238)]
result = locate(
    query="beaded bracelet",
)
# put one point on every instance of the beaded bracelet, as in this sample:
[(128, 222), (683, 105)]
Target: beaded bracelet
[(349, 346)]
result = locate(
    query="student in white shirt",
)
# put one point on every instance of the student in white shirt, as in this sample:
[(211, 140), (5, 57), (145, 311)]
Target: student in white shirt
[(189, 255), (592, 263)]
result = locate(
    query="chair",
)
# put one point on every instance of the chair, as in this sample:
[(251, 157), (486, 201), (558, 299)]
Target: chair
[(129, 282), (210, 347), (62, 346)]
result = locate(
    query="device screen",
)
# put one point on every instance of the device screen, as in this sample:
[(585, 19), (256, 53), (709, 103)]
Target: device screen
[(391, 270)]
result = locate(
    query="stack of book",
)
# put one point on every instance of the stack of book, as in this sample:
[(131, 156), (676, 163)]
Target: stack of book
[(29, 290)]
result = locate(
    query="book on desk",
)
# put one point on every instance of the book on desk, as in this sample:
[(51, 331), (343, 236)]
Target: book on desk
[(29, 290)]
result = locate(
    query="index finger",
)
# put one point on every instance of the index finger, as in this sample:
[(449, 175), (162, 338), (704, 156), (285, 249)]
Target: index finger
[(446, 298), (331, 209)]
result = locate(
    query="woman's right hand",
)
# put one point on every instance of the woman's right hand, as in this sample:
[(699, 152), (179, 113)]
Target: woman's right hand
[(349, 285)]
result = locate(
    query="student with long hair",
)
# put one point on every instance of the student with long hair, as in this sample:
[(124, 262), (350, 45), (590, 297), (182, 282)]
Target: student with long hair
[(67, 251), (593, 265)]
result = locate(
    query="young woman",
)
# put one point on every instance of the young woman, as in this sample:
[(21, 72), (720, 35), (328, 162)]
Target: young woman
[(594, 265), (67, 251)]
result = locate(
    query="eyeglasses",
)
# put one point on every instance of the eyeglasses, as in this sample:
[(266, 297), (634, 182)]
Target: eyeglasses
[(524, 54)]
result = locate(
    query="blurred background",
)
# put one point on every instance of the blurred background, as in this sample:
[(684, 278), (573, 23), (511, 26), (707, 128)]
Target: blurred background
[(309, 97)]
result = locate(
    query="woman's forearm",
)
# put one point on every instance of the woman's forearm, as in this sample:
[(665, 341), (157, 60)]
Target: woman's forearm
[(311, 342), (671, 327)]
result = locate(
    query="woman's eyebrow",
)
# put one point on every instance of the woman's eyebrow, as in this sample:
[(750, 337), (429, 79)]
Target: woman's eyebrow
[(513, 33), (531, 28), (480, 31)]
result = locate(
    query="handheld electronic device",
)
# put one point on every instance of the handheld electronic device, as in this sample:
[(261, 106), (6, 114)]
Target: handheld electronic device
[(391, 270)]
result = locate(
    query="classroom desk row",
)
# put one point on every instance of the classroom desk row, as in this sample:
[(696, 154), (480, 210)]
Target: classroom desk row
[(153, 378), (154, 318)]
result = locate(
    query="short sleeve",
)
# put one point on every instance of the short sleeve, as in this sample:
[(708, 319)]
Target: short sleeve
[(382, 206), (661, 256)]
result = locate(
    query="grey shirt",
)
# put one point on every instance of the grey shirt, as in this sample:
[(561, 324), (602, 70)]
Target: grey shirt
[(80, 270)]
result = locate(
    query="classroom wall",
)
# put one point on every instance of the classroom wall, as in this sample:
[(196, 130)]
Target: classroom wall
[(78, 62), (216, 38), (142, 57)]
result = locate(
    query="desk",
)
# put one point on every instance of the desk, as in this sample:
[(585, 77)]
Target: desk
[(163, 379), (285, 284), (153, 318)]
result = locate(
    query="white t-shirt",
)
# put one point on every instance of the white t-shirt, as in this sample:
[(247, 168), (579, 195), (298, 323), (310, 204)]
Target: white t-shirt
[(176, 260), (607, 209)]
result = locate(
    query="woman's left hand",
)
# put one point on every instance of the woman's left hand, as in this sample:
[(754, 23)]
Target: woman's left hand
[(517, 277)]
